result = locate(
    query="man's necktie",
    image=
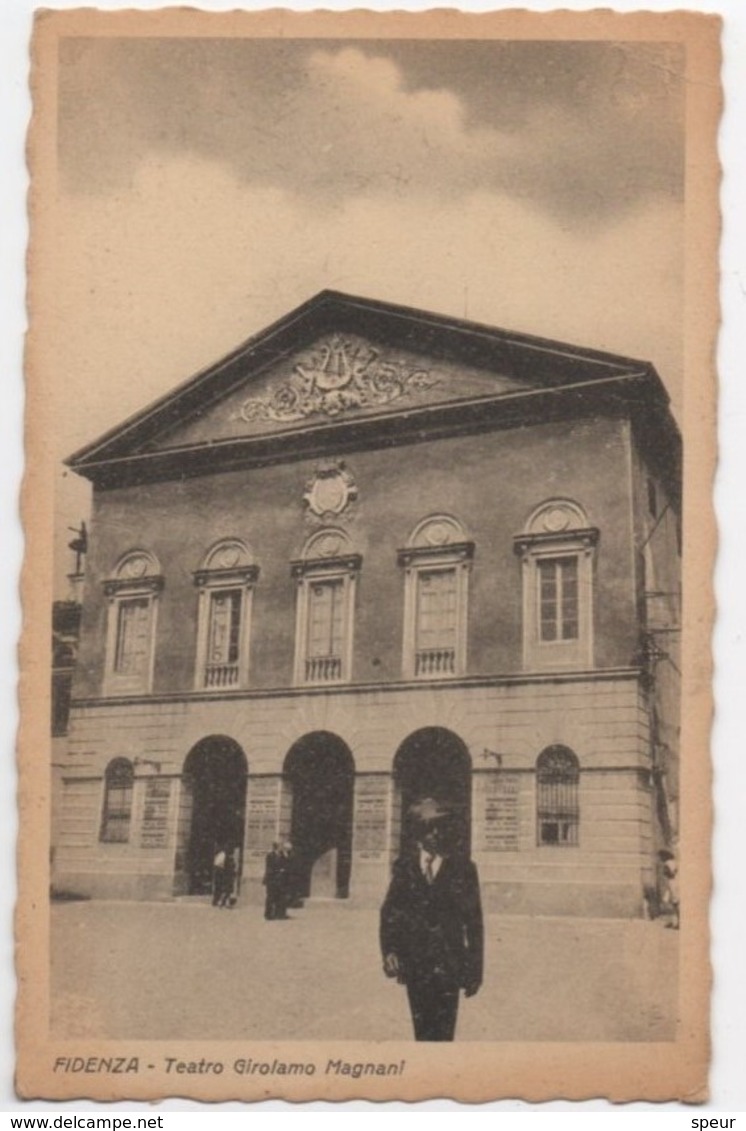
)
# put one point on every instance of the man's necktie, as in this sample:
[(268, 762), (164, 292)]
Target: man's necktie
[(429, 875)]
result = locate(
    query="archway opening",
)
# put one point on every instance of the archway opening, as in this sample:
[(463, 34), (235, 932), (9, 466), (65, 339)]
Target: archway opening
[(320, 774), (215, 778), (433, 762)]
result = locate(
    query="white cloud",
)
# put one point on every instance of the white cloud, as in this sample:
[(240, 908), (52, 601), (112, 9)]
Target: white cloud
[(154, 285), (147, 288), (581, 140), (373, 87), (353, 128)]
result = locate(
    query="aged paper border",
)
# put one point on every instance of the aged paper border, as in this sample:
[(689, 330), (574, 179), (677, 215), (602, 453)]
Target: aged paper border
[(474, 1072)]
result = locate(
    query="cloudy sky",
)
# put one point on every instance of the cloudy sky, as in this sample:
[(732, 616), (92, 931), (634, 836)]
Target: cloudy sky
[(208, 186)]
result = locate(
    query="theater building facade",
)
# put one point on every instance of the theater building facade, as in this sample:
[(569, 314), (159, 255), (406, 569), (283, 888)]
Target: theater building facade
[(371, 556)]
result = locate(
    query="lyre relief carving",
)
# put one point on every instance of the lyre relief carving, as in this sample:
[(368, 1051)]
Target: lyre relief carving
[(337, 374)]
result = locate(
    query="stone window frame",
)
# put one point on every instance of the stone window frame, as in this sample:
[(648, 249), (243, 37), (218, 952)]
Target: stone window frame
[(327, 556), (558, 796), (437, 543), (227, 566), (136, 577), (116, 819), (557, 529)]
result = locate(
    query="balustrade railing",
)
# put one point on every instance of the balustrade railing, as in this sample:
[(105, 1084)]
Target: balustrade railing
[(221, 675), (435, 661), (323, 669)]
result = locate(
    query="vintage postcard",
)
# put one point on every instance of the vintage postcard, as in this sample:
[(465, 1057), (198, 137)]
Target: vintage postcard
[(366, 663)]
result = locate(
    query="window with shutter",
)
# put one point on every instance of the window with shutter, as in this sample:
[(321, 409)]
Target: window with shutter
[(327, 579), (436, 629), (132, 592), (436, 562), (133, 636), (226, 582), (558, 552)]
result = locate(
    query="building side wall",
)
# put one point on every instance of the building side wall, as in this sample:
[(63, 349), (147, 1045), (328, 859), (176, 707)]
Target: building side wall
[(657, 537)]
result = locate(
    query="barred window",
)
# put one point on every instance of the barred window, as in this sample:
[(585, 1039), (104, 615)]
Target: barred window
[(118, 783), (557, 808)]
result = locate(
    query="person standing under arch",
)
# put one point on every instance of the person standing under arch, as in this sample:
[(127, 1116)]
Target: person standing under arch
[(224, 877), (275, 883)]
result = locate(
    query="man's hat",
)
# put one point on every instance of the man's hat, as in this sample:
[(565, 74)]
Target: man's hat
[(428, 809)]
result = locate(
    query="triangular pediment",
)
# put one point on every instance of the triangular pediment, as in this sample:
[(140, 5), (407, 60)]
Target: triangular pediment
[(342, 364), (336, 377)]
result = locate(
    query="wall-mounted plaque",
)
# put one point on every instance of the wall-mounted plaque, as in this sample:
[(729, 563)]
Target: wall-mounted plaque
[(501, 816), (154, 829), (371, 813), (263, 811)]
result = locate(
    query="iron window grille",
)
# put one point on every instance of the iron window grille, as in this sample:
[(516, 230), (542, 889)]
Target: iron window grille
[(557, 801), (117, 812)]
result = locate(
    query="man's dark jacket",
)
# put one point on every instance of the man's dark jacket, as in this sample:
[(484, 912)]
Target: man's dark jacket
[(434, 928)]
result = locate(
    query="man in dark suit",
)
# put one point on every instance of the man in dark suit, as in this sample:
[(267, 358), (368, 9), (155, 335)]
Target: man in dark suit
[(432, 937), (274, 883)]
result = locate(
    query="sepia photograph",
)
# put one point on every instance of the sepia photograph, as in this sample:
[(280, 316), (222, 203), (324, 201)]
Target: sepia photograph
[(373, 631)]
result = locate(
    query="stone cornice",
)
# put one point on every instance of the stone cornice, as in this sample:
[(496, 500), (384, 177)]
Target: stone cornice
[(345, 563), (451, 551), (121, 586), (398, 687), (588, 536), (244, 575), (609, 396)]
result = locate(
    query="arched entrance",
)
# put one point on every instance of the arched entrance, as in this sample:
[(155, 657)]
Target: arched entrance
[(433, 762), (214, 784), (320, 774)]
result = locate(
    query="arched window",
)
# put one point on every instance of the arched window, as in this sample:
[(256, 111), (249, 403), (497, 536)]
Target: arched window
[(132, 591), (327, 578), (557, 808), (436, 562), (117, 813), (225, 580), (557, 549)]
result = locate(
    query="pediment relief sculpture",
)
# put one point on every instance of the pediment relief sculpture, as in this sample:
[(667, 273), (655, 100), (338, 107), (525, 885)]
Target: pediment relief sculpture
[(336, 374)]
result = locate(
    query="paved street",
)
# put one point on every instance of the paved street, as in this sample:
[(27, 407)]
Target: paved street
[(186, 970)]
